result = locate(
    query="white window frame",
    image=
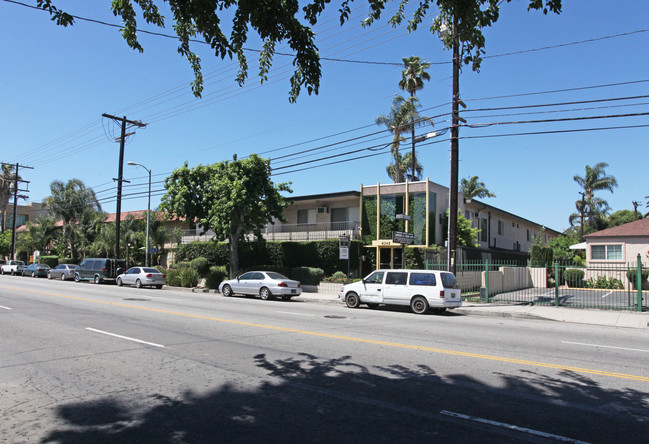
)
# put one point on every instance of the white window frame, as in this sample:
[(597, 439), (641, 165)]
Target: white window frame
[(607, 252)]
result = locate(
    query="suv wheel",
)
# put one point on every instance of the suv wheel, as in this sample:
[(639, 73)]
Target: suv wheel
[(97, 279), (77, 278)]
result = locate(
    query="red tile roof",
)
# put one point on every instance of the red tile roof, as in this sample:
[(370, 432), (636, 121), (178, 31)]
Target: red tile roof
[(636, 228)]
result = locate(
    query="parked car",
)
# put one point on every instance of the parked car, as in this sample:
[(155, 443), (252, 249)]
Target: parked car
[(36, 270), (420, 289), (13, 267), (62, 271), (266, 284), (99, 270), (142, 277)]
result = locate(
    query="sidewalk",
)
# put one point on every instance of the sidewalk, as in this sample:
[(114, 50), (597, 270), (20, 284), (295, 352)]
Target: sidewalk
[(610, 318)]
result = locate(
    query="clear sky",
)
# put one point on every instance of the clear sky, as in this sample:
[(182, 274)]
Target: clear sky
[(56, 82)]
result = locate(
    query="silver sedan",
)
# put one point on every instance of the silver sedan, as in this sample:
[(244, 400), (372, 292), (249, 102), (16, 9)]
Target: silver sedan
[(142, 277), (266, 284), (63, 271)]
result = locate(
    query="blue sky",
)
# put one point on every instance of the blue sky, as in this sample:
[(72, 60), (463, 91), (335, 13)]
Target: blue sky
[(56, 83)]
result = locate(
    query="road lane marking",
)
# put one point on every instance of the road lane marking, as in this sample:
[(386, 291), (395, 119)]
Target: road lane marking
[(124, 337), (512, 427), (606, 346), (297, 314), (607, 294), (6, 308), (350, 338)]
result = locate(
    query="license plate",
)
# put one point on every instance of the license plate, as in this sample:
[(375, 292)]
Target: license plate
[(292, 291)]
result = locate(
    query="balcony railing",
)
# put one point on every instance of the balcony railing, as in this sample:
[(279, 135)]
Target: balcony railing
[(291, 232)]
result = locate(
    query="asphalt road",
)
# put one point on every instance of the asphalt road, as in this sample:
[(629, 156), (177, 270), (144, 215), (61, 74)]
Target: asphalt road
[(96, 363)]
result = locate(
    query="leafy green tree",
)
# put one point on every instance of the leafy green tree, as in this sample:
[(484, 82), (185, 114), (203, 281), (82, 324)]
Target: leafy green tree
[(621, 217), (39, 236), (591, 207), (7, 183), (69, 201), (5, 243), (276, 22), (473, 187), (560, 245), (231, 198), (466, 234)]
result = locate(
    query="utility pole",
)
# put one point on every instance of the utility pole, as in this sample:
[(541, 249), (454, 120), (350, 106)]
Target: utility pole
[(123, 121), (15, 211), (455, 134)]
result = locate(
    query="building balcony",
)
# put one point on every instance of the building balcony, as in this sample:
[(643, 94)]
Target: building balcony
[(307, 232)]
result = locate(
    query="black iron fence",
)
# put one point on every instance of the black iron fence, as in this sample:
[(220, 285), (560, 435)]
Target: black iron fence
[(607, 286)]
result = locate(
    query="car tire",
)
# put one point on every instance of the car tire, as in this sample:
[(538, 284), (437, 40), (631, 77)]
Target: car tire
[(286, 298), (63, 276), (33, 274), (265, 294), (159, 287), (118, 282), (97, 279), (439, 310), (227, 291), (352, 300), (49, 275), (419, 305), (138, 284), (77, 278)]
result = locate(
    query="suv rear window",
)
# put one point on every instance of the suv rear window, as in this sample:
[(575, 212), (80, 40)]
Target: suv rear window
[(448, 280)]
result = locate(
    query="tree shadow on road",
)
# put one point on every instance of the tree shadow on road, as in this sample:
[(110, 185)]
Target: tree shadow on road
[(312, 399)]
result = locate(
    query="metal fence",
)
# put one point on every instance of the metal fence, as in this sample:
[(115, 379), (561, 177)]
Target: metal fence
[(606, 286)]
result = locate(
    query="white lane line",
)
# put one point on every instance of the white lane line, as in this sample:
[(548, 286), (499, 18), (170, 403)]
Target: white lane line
[(512, 427), (6, 308), (166, 299), (298, 314), (124, 337), (607, 294), (606, 346)]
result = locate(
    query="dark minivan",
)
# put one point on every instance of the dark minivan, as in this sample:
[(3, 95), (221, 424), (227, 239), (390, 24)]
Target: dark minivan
[(99, 270)]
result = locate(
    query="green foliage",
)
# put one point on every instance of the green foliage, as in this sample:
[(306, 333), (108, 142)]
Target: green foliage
[(231, 198), (474, 187), (173, 277), (540, 256), (307, 275), (560, 246), (605, 283), (338, 277), (201, 265), (466, 234), (215, 276), (188, 277), (632, 276), (574, 277), (5, 243), (622, 217), (52, 261), (216, 253)]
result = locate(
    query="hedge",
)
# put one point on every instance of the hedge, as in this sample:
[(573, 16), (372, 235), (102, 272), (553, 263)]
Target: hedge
[(307, 275), (574, 277), (52, 261)]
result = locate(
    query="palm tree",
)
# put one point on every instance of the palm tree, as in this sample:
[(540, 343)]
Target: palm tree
[(402, 117), (473, 187), (594, 180), (412, 79), (69, 202)]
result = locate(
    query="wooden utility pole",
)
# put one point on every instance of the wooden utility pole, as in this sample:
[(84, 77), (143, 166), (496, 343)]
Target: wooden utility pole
[(15, 212), (455, 136), (123, 121)]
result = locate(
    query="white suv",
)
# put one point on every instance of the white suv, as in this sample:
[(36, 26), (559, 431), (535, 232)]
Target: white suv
[(420, 289)]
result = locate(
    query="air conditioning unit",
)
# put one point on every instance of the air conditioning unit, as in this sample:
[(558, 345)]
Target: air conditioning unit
[(323, 210)]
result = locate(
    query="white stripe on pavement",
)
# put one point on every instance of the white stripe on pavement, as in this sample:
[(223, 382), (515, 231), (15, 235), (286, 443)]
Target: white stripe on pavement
[(6, 308), (512, 427), (124, 337), (606, 346)]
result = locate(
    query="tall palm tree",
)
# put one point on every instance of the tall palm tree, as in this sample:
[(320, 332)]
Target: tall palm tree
[(473, 187), (402, 117), (412, 79), (594, 180)]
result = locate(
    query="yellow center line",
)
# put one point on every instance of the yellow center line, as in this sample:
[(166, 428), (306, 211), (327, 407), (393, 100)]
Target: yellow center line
[(351, 338)]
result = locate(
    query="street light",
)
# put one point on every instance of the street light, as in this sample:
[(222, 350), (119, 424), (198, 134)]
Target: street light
[(148, 210)]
